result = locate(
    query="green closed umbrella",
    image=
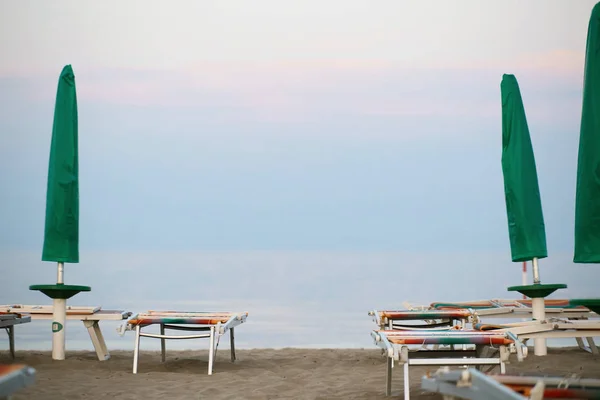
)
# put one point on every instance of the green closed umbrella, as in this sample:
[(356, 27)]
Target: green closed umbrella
[(526, 228), (587, 196), (61, 233)]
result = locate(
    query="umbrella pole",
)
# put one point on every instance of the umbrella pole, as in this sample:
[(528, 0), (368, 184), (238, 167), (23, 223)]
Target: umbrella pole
[(59, 320), (537, 292), (61, 273), (59, 293), (536, 270), (524, 276), (538, 310), (539, 314)]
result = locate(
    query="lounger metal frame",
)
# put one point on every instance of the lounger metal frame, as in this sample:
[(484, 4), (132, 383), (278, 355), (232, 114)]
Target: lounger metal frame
[(213, 332), (480, 355)]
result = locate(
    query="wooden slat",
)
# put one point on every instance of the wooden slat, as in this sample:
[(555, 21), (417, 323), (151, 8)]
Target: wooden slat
[(48, 309)]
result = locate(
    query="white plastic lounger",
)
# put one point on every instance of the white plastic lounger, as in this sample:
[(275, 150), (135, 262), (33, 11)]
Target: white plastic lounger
[(395, 346), (214, 324), (551, 328), (14, 377), (449, 314), (474, 385), (398, 319), (520, 308), (8, 322), (90, 316)]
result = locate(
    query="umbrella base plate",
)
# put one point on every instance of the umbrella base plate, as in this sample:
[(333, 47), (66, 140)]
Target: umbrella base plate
[(537, 290), (60, 290), (592, 304)]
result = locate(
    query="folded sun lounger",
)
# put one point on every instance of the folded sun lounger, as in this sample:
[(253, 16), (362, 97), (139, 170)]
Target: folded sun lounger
[(551, 328), (474, 385), (215, 324), (480, 348), (453, 314), (8, 322), (502, 308), (90, 316), (431, 319)]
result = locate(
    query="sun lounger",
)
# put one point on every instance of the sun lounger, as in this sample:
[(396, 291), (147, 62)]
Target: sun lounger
[(214, 324), (90, 316), (481, 349), (8, 322), (475, 385), (551, 328), (14, 377), (399, 319), (502, 308), (459, 313)]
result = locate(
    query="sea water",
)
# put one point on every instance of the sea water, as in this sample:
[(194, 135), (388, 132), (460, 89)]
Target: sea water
[(294, 299)]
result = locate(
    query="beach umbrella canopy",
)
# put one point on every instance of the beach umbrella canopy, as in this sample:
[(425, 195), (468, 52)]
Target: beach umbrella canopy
[(523, 201), (61, 233), (526, 227), (587, 198)]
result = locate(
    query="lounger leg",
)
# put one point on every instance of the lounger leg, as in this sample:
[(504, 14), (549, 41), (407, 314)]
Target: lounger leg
[(211, 350), (93, 328), (162, 343), (232, 341), (593, 348), (580, 343), (406, 383), (11, 340), (388, 377), (136, 349), (481, 352), (100, 336)]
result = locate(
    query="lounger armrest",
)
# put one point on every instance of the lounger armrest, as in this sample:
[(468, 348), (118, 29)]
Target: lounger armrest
[(376, 317), (125, 325), (232, 323), (382, 341)]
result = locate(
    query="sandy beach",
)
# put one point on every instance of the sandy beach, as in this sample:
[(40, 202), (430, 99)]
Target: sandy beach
[(257, 374)]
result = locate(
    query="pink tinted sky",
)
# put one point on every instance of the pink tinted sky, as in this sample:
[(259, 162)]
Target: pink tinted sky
[(295, 60)]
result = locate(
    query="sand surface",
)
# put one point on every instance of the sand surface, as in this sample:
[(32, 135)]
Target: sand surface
[(257, 374)]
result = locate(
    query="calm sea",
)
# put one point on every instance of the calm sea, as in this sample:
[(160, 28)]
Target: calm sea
[(294, 299)]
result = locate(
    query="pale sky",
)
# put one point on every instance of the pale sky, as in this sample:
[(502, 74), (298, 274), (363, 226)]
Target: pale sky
[(290, 124), (183, 34)]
